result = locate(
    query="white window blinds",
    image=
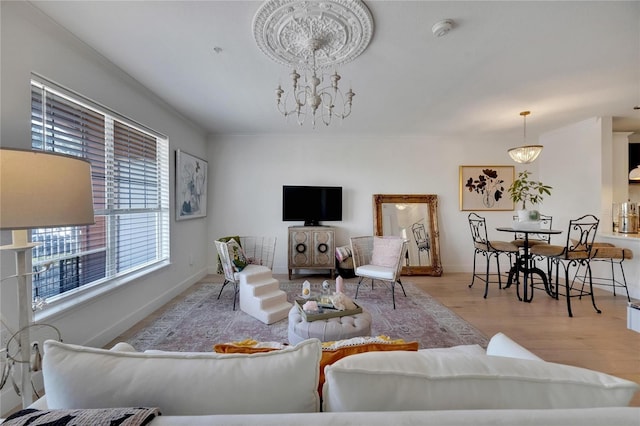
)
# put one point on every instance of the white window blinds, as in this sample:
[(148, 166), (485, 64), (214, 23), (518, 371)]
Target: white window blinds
[(130, 178)]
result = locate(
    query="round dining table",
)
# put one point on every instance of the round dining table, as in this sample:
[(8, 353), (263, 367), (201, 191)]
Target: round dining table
[(524, 263)]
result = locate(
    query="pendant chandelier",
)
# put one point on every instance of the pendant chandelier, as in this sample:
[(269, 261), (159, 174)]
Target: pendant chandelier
[(309, 37), (525, 153), (307, 99)]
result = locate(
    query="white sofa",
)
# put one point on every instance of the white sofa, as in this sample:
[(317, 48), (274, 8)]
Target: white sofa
[(454, 386)]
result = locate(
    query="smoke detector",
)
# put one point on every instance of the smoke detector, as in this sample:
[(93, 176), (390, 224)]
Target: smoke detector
[(441, 28)]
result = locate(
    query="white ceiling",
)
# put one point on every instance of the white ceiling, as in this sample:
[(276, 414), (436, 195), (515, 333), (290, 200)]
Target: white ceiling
[(564, 61)]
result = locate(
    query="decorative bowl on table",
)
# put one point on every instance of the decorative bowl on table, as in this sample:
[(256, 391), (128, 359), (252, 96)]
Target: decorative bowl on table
[(527, 225)]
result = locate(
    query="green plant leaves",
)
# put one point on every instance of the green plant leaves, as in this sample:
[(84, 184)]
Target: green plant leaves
[(524, 191)]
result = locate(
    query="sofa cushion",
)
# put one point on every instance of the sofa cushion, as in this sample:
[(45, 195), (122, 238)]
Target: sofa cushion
[(501, 345), (334, 351), (375, 271), (183, 384), (123, 347), (391, 381), (467, 349)]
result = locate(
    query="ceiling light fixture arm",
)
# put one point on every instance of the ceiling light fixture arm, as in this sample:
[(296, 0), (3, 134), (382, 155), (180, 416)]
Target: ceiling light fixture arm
[(309, 98)]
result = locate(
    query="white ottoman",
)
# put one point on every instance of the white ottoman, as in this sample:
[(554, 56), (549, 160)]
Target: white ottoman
[(328, 330)]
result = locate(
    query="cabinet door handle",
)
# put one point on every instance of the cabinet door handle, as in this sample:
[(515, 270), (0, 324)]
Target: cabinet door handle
[(322, 248), (301, 248)]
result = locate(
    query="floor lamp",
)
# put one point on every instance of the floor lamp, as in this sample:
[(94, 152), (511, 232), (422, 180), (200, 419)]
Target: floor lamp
[(38, 189)]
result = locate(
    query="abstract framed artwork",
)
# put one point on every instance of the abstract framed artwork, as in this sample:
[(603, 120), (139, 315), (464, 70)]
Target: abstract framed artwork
[(486, 187), (191, 186)]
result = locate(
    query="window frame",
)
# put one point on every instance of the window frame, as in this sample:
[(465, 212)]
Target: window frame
[(155, 207)]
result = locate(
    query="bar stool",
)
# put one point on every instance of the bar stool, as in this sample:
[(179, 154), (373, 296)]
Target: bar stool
[(607, 252)]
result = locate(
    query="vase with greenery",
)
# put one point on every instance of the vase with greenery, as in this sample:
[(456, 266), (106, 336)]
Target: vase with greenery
[(528, 192)]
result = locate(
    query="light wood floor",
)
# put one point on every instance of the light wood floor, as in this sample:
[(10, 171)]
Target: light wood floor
[(596, 341)]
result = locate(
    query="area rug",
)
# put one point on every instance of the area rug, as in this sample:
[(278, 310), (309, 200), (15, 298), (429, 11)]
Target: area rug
[(197, 320)]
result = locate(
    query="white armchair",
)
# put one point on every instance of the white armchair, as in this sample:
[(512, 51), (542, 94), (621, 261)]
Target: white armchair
[(379, 258)]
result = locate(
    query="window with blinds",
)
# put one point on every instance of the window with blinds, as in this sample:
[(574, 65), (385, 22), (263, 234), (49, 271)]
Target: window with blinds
[(130, 178)]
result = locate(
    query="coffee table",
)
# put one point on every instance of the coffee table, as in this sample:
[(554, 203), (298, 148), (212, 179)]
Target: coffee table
[(328, 330)]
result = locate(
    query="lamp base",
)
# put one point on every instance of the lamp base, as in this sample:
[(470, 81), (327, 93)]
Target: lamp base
[(21, 248)]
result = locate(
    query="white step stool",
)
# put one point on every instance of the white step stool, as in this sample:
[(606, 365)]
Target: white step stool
[(260, 294)]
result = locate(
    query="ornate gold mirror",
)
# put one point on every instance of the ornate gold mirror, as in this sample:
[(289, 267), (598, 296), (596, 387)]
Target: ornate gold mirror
[(415, 218)]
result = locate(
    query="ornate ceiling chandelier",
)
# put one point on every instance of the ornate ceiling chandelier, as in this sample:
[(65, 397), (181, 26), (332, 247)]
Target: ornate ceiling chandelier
[(526, 153), (311, 36)]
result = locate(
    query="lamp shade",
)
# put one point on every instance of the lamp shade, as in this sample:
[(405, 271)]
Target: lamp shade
[(525, 154), (635, 174), (41, 189)]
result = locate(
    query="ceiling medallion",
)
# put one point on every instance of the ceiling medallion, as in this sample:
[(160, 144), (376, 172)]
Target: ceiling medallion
[(288, 31), (309, 36)]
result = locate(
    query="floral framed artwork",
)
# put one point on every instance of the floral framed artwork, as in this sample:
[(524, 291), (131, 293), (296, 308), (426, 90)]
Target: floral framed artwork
[(486, 187), (191, 186)]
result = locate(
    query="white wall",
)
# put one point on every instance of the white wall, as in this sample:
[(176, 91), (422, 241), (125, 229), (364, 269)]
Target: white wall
[(573, 166), (248, 172), (579, 164), (32, 43), (620, 153)]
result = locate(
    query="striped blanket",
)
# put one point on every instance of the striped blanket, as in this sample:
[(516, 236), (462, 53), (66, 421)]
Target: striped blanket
[(94, 417)]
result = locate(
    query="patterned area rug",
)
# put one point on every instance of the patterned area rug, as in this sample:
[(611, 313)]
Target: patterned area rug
[(197, 320)]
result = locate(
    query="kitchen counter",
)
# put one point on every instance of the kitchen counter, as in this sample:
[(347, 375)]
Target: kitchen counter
[(618, 235)]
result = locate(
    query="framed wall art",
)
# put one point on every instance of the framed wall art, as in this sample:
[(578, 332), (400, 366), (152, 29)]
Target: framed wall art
[(486, 187), (191, 186)]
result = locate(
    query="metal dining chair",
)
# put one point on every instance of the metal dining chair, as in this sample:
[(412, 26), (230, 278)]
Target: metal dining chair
[(489, 249), (575, 253)]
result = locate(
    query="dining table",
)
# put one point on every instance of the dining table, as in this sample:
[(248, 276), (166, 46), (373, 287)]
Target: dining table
[(524, 262)]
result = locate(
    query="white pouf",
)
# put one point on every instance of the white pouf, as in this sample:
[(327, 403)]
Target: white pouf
[(328, 330)]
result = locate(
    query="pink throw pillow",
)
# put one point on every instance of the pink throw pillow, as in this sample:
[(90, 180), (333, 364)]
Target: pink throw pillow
[(386, 251), (343, 253)]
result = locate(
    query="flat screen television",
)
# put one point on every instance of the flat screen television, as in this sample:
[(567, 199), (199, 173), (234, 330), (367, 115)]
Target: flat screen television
[(311, 204)]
